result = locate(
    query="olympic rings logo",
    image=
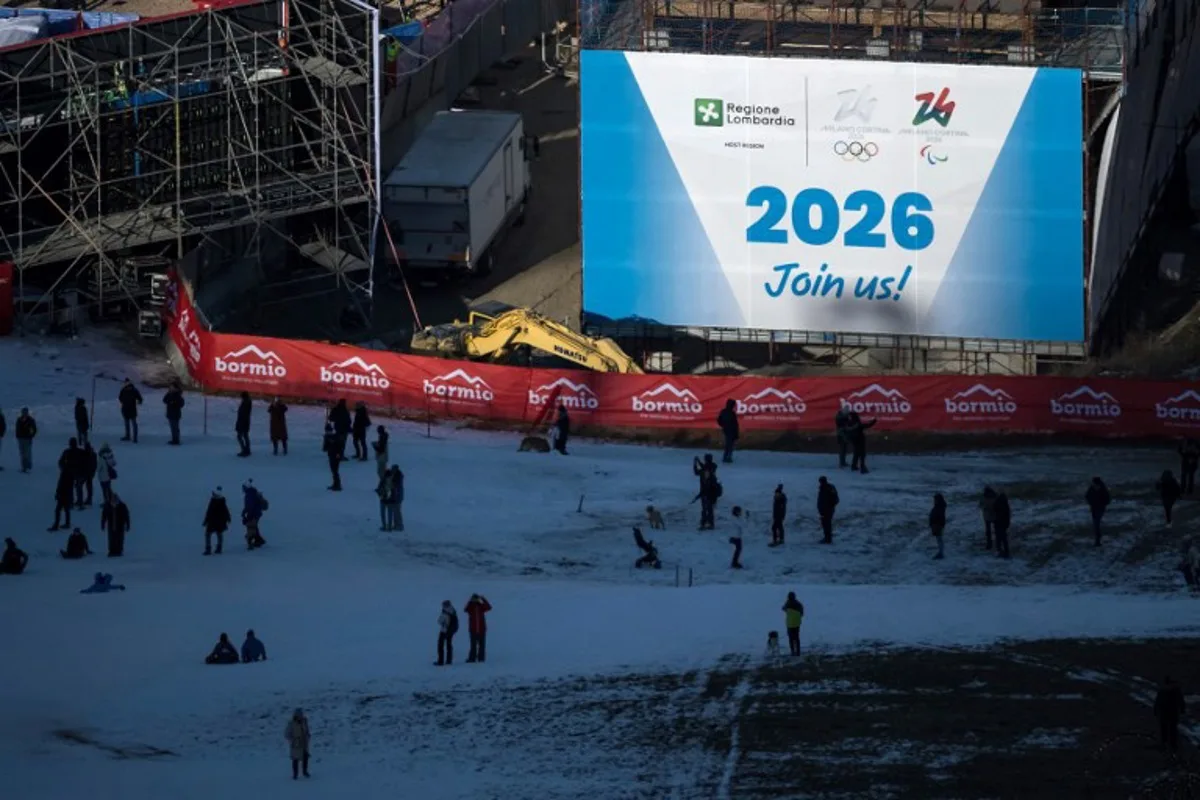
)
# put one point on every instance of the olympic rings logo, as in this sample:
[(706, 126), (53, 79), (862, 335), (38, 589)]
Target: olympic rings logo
[(856, 151)]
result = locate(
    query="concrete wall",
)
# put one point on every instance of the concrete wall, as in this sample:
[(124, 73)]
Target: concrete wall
[(1159, 113)]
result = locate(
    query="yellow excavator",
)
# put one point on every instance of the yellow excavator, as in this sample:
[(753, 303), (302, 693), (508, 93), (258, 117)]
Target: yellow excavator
[(496, 332)]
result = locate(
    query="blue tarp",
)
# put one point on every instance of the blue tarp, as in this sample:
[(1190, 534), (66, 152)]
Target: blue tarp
[(406, 32), (15, 31), (59, 22)]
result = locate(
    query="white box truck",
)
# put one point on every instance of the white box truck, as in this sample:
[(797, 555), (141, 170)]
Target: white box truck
[(457, 190)]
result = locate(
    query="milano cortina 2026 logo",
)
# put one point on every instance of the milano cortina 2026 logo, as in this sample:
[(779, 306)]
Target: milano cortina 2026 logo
[(459, 388), (357, 375), (573, 396), (879, 402), (251, 365), (1086, 405), (666, 401), (982, 404), (1180, 411)]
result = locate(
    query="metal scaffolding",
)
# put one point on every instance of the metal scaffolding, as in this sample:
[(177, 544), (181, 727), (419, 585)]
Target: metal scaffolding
[(159, 135)]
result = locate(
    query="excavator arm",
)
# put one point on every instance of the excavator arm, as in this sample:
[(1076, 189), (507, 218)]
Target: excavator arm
[(495, 337)]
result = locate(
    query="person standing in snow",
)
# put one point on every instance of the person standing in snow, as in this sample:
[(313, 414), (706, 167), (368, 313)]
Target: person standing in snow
[(1168, 492), (106, 470), (447, 627), (91, 464), (380, 446), (253, 649), (387, 501), (987, 507), (827, 503), (173, 400), (710, 490), (241, 426), (736, 538), (858, 441), (114, 518), (254, 505), (1190, 566), (339, 418), (81, 420), (841, 424), (358, 430), (727, 421), (331, 444), (562, 429), (1003, 521), (1098, 499), (1189, 462), (395, 513), (216, 521), (73, 462), (130, 398), (70, 470), (778, 513), (793, 615), (477, 608), (298, 738), (277, 426), (1168, 708), (937, 524), (25, 430)]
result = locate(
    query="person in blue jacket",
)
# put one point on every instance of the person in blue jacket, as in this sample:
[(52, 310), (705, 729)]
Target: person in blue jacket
[(103, 582), (253, 649), (253, 506)]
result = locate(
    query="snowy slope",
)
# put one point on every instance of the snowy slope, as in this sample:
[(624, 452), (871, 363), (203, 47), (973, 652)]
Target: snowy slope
[(348, 612)]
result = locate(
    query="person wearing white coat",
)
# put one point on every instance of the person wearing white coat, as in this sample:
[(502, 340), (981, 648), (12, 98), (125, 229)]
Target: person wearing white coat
[(447, 627), (106, 470)]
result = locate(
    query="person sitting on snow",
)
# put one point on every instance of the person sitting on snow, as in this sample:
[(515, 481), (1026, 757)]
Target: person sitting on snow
[(253, 649), (223, 653), (14, 560), (77, 546), (103, 582)]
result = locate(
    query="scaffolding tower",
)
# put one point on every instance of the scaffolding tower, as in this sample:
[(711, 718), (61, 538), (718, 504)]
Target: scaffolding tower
[(160, 135)]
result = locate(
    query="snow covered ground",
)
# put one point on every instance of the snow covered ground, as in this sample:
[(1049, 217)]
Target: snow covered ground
[(348, 612)]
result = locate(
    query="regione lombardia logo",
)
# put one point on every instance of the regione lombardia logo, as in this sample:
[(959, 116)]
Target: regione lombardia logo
[(710, 112)]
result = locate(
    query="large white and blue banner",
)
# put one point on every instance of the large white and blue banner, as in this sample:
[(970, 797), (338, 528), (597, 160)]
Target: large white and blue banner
[(842, 196)]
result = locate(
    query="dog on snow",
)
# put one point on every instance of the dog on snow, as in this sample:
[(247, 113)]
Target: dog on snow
[(773, 655), (655, 518)]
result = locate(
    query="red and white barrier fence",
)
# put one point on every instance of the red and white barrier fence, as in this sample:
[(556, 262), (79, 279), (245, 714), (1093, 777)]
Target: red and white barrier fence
[(419, 385)]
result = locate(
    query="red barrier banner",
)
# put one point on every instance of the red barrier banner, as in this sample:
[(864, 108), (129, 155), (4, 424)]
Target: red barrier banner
[(444, 388)]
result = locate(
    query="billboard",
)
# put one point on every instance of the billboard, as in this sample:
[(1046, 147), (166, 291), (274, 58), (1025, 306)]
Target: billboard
[(843, 196)]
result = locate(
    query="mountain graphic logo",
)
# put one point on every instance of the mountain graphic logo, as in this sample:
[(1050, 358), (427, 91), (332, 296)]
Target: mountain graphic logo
[(667, 400), (709, 112), (1182, 410), (1085, 404), (573, 396), (981, 402), (937, 108), (355, 373), (879, 401), (268, 356), (459, 386), (251, 364), (355, 361), (772, 402)]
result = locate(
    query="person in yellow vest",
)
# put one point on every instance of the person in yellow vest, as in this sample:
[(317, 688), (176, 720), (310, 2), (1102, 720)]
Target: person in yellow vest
[(793, 612)]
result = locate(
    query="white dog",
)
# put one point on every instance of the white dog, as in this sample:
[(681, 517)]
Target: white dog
[(773, 656)]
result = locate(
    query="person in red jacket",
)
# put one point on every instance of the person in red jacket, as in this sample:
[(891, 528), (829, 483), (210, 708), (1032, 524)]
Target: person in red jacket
[(476, 608)]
